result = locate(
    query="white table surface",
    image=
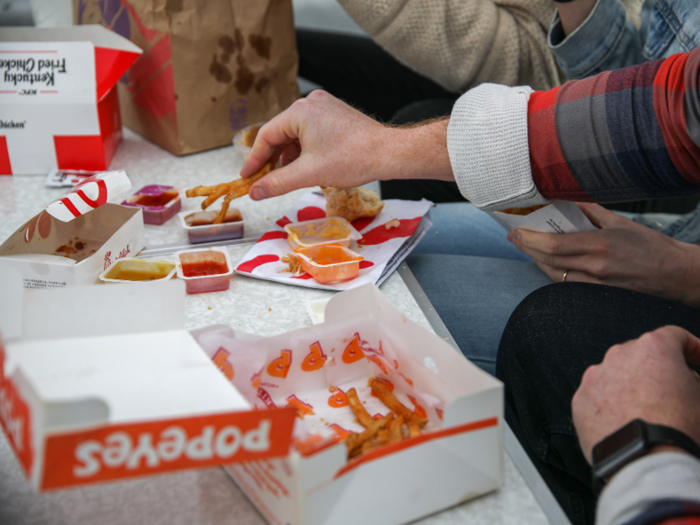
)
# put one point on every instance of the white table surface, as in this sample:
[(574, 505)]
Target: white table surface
[(252, 305)]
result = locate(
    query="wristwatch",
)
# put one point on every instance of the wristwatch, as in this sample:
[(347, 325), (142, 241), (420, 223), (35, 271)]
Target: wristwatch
[(633, 441)]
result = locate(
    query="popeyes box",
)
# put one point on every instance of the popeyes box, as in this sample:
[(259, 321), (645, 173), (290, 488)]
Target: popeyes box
[(458, 455), (59, 107), (101, 383), (77, 236), (555, 217)]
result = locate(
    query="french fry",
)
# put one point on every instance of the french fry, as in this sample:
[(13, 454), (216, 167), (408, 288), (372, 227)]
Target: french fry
[(232, 190), (358, 409), (395, 431), (386, 397), (413, 429), (354, 441)]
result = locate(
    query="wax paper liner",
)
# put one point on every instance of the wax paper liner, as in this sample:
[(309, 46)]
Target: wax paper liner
[(383, 249)]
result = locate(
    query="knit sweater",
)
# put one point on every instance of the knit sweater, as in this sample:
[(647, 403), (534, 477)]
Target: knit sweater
[(462, 43)]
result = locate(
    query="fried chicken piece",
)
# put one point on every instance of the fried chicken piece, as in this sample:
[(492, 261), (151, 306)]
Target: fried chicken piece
[(352, 203)]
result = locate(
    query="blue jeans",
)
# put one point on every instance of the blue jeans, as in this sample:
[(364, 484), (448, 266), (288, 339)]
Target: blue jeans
[(474, 277)]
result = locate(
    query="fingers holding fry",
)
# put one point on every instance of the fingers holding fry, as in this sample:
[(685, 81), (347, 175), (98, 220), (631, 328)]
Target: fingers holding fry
[(232, 190)]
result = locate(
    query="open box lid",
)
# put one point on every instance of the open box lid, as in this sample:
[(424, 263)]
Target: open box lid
[(114, 54), (84, 365), (91, 193)]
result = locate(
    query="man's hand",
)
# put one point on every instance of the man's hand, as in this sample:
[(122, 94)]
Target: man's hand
[(622, 253), (647, 378), (322, 141)]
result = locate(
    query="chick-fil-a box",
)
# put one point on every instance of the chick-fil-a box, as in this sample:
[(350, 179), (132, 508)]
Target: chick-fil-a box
[(58, 103), (78, 236), (457, 456), (102, 383)]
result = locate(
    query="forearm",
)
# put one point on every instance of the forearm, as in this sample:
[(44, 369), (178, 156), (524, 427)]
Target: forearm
[(623, 135), (462, 43)]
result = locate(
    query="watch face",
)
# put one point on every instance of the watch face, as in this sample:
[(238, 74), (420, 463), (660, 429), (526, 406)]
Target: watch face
[(623, 443)]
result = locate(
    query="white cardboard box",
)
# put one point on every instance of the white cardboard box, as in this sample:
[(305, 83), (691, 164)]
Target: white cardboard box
[(58, 102), (78, 236), (100, 383), (557, 217), (460, 458)]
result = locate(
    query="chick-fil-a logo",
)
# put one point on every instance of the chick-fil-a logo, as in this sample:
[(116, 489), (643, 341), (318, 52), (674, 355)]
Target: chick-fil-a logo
[(108, 256)]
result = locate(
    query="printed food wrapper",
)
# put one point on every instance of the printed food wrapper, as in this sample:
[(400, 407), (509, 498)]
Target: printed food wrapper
[(89, 194), (312, 369), (556, 217), (382, 247)]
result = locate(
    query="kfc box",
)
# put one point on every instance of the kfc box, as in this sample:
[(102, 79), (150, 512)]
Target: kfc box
[(555, 217), (59, 108), (78, 236), (101, 383), (457, 456)]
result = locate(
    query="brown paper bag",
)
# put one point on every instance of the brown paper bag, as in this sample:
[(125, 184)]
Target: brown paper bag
[(209, 67)]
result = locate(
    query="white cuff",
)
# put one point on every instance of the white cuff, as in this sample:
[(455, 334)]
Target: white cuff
[(487, 140), (662, 476)]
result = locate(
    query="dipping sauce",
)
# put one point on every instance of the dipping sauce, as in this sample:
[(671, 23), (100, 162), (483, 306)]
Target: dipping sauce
[(137, 270), (203, 268), (154, 200)]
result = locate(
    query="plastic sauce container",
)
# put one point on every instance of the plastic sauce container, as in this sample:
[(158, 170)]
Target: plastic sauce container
[(328, 263), (158, 203), (204, 270), (138, 270), (245, 138), (199, 227), (328, 230)]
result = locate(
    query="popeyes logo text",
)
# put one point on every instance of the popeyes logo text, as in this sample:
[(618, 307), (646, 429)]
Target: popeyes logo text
[(146, 448), (108, 256)]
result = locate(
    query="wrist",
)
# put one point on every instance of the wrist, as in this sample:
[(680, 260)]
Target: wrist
[(418, 152)]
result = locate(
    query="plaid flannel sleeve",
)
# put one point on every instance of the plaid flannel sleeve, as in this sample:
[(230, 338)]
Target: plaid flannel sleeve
[(669, 512), (628, 134)]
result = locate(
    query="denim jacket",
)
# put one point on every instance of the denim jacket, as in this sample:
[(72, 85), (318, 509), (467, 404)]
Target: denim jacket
[(607, 40)]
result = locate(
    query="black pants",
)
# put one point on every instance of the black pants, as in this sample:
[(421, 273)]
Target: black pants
[(553, 336), (358, 71)]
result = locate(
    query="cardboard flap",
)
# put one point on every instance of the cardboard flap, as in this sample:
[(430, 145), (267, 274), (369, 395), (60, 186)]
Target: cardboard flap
[(92, 193), (113, 53)]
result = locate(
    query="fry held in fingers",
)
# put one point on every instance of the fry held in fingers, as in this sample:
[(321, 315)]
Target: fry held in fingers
[(232, 190)]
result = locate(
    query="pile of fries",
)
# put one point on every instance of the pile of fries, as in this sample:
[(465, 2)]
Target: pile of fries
[(380, 432), (228, 190)]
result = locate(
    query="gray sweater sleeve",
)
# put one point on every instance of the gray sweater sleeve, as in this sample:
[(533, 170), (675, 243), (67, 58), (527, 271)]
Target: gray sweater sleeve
[(663, 476)]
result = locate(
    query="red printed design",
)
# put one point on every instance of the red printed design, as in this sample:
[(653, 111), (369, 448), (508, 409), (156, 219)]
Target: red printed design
[(251, 265), (5, 166), (77, 192), (340, 432), (315, 359), (418, 408), (379, 362), (124, 451), (310, 213), (303, 409), (338, 398), (408, 380), (283, 222), (361, 224), (221, 361), (380, 234), (353, 352), (15, 418), (280, 366)]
